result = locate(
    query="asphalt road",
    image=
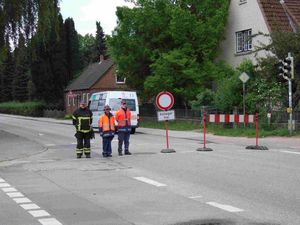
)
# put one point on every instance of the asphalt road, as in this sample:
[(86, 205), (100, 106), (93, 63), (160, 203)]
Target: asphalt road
[(41, 181)]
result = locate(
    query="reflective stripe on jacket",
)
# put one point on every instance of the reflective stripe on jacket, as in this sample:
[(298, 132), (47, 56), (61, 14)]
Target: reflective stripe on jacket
[(82, 119), (106, 123), (124, 120)]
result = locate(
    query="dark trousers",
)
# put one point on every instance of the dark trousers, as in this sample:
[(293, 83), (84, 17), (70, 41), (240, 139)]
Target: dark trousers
[(83, 143), (106, 145), (123, 137)]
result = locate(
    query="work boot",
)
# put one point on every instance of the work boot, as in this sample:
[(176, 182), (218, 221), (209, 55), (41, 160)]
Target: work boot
[(120, 153), (88, 155), (127, 153), (78, 156)]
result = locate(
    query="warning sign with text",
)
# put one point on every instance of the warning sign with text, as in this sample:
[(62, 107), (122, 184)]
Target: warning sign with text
[(166, 115)]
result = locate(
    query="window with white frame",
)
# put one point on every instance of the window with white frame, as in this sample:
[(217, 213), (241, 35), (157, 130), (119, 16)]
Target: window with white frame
[(244, 41), (119, 79)]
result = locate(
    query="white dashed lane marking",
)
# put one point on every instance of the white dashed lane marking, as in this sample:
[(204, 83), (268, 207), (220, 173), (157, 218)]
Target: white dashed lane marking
[(22, 200), (149, 181), (49, 221), (4, 185), (39, 213), (10, 189), (228, 208), (290, 152), (15, 194), (195, 197), (31, 208)]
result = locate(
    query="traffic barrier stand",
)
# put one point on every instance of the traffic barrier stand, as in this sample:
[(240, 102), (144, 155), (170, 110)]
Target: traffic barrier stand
[(256, 146), (231, 118), (204, 149), (167, 150)]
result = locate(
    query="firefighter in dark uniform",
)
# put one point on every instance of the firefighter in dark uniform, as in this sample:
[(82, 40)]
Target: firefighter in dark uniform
[(82, 120)]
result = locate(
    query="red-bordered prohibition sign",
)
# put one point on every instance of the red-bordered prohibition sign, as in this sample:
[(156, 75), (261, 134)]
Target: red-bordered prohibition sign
[(164, 100)]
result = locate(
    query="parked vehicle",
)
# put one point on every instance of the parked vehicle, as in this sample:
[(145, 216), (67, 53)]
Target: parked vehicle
[(113, 98)]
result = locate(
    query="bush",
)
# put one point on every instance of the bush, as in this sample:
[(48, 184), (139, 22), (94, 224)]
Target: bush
[(33, 108)]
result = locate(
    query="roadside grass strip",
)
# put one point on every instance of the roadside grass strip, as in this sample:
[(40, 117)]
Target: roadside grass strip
[(27, 204), (228, 208), (149, 181)]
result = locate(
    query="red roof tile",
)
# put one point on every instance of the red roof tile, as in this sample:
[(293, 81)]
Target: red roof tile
[(293, 8), (275, 15)]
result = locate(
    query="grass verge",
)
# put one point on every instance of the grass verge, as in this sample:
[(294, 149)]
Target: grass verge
[(220, 129)]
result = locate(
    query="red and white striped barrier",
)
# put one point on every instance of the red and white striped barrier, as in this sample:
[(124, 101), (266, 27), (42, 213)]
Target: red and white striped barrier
[(231, 118)]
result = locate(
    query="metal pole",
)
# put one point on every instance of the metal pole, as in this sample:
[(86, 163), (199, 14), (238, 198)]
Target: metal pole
[(167, 134), (204, 130), (290, 106), (244, 107)]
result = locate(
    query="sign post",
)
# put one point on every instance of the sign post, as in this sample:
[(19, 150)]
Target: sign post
[(165, 101), (244, 78)]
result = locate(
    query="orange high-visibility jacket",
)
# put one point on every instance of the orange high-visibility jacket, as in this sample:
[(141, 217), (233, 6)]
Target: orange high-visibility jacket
[(106, 124), (121, 117)]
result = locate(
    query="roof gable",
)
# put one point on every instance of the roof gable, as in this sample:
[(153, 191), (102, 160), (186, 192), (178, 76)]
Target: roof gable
[(90, 75)]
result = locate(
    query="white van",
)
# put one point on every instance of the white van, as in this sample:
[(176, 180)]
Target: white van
[(113, 98)]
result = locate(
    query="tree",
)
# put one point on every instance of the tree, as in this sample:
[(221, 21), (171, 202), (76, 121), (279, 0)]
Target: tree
[(282, 44), (168, 44), (72, 50), (22, 72), (100, 42), (86, 49), (49, 66), (7, 75)]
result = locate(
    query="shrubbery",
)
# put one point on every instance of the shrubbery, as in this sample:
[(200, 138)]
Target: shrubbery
[(34, 108)]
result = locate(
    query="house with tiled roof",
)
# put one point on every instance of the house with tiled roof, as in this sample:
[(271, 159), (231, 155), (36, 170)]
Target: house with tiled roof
[(250, 17), (99, 76)]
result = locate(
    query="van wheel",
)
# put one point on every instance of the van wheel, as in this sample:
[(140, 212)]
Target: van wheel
[(132, 130)]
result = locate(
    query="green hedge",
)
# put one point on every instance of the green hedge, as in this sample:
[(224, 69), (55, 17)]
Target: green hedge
[(33, 108)]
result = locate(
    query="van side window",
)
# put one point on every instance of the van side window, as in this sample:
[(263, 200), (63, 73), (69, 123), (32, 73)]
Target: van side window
[(97, 105), (115, 104)]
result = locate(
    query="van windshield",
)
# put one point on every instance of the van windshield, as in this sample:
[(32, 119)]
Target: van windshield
[(115, 104)]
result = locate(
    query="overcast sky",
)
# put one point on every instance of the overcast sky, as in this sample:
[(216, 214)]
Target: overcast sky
[(85, 13)]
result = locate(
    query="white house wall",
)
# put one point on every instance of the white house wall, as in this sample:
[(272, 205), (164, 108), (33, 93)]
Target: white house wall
[(243, 17)]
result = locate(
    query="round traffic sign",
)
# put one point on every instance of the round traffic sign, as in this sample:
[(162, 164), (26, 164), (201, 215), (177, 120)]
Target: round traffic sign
[(164, 100)]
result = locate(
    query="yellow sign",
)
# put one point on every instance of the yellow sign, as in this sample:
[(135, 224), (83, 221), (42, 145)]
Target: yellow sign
[(289, 110)]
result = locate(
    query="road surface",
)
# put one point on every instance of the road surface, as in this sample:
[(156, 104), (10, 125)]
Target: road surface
[(42, 182)]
